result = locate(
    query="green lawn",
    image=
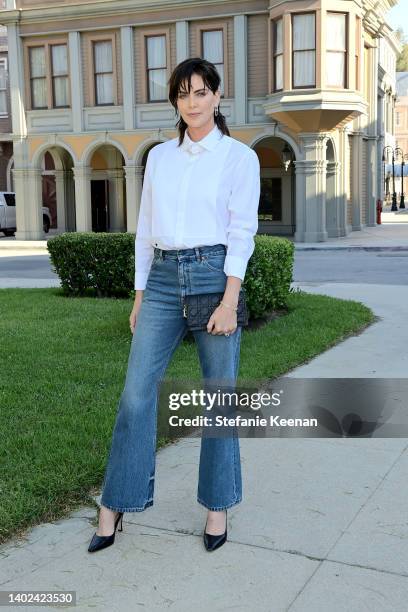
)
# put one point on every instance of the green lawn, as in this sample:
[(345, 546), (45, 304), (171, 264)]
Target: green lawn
[(63, 366)]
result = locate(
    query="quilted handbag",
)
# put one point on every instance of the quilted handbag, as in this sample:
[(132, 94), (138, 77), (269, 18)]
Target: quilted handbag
[(199, 308)]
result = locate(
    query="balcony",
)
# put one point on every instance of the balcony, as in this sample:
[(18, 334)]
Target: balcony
[(314, 110)]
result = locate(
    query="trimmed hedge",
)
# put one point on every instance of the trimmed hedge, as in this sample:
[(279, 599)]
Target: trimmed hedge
[(102, 264), (269, 274), (90, 263)]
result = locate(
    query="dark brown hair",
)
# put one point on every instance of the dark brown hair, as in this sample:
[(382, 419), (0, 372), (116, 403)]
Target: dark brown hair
[(211, 78)]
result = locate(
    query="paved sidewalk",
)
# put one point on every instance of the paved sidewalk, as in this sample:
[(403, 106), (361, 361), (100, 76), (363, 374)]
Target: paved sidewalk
[(387, 236), (391, 234), (322, 526)]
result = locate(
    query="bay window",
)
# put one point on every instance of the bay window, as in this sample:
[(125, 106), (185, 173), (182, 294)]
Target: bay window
[(357, 52), (303, 50), (336, 50), (277, 55)]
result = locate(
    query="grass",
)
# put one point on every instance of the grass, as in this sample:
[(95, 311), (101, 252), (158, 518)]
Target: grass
[(63, 366)]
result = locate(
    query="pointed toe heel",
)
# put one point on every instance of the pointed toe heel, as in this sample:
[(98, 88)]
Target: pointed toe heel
[(212, 542), (99, 542)]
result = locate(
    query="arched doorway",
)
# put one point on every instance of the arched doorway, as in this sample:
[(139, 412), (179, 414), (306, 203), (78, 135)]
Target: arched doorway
[(108, 191), (57, 187), (277, 205)]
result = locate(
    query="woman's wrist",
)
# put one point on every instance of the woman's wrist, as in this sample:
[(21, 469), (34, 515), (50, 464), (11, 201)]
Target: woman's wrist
[(231, 298), (231, 292), (229, 306)]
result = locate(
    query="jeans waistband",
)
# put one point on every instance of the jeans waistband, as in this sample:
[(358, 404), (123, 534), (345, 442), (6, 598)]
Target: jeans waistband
[(196, 252)]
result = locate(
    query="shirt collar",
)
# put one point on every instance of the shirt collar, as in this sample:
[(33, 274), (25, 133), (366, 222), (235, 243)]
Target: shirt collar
[(209, 141)]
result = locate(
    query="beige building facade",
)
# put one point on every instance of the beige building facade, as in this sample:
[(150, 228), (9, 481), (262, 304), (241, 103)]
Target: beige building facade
[(6, 144), (299, 85), (401, 113)]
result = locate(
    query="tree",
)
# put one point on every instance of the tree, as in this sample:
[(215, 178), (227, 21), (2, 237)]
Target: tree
[(402, 60)]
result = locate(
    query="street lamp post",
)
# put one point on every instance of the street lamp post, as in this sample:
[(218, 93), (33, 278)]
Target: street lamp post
[(394, 195), (404, 157), (399, 151)]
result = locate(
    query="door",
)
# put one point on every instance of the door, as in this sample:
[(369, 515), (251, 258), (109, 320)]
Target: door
[(276, 213), (10, 199), (100, 205)]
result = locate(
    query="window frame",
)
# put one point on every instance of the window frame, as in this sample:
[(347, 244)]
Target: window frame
[(46, 44), (275, 55), (219, 25), (292, 15), (91, 65), (3, 60), (52, 76), (345, 52), (147, 69), (145, 33), (357, 53)]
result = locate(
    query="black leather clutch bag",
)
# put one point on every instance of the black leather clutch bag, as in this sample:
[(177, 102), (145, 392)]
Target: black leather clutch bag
[(199, 308)]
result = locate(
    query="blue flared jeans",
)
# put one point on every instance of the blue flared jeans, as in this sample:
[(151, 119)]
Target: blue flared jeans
[(160, 327)]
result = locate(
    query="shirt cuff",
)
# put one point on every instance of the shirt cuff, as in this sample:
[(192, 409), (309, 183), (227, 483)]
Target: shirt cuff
[(141, 280), (235, 266)]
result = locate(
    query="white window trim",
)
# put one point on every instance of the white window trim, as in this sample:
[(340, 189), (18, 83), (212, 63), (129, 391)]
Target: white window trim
[(3, 64)]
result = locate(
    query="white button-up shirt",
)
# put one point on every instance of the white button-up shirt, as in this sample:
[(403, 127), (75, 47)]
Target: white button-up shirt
[(201, 193)]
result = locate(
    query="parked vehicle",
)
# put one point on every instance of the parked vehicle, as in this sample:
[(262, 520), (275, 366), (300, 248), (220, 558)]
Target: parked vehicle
[(8, 214)]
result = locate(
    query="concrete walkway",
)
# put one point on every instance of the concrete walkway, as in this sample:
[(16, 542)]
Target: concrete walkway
[(323, 524), (391, 233)]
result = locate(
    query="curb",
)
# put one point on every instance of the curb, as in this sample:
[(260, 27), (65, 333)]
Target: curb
[(41, 246), (351, 248)]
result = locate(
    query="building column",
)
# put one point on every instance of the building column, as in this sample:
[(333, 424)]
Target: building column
[(126, 34), (371, 220), (240, 69), (372, 132), (29, 218), (116, 201), (182, 46), (61, 179), (380, 145), (334, 212), (300, 200), (82, 177), (343, 179), (16, 81), (77, 95), (356, 191), (134, 185), (311, 222)]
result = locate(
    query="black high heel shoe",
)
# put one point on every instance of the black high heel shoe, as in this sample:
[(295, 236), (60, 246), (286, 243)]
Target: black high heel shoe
[(211, 542), (98, 542)]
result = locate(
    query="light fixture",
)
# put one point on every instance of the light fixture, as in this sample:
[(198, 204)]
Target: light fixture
[(286, 156)]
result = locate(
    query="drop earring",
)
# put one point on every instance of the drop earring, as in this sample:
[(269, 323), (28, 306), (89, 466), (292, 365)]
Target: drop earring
[(215, 111)]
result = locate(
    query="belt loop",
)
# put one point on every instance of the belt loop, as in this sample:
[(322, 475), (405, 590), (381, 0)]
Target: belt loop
[(197, 252), (161, 253)]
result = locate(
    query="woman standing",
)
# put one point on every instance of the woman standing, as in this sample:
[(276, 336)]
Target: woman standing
[(198, 215)]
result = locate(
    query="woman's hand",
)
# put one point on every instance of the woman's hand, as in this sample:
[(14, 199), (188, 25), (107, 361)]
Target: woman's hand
[(222, 321), (135, 309)]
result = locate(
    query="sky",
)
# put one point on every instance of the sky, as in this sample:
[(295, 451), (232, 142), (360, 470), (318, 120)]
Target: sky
[(398, 16)]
